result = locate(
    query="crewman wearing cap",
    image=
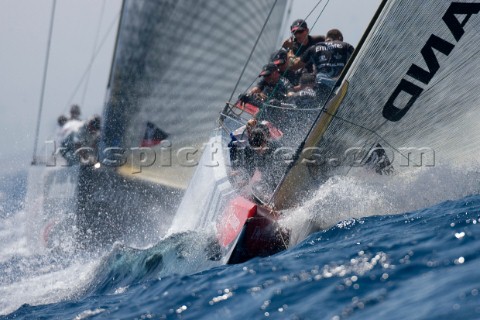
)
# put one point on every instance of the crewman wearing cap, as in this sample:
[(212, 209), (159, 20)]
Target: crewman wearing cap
[(299, 42), (271, 85), (329, 57), (280, 59), (301, 39)]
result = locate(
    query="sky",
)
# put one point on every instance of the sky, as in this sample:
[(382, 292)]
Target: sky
[(349, 16), (83, 35)]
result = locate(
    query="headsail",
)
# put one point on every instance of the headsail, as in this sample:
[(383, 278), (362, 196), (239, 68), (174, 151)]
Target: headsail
[(412, 89)]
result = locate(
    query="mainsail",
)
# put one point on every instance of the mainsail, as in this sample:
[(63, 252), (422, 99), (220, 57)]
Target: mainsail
[(176, 62)]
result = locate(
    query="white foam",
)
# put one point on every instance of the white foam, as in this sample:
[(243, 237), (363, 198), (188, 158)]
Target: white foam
[(49, 287), (13, 237), (342, 198)]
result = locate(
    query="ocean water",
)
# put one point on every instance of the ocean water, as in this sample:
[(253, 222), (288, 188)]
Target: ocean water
[(389, 249)]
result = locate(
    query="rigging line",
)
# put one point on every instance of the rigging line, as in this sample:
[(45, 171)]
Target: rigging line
[(301, 45), (91, 62), (311, 11), (273, 92), (364, 128), (253, 49), (93, 51), (321, 12), (44, 80), (308, 15), (279, 229), (316, 20)]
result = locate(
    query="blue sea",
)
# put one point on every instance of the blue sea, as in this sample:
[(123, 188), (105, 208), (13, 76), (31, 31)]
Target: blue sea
[(385, 261)]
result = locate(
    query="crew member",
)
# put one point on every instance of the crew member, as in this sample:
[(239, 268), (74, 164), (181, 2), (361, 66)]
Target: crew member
[(272, 86), (305, 96), (60, 133), (82, 145), (259, 155), (301, 39), (75, 112), (329, 58), (280, 59)]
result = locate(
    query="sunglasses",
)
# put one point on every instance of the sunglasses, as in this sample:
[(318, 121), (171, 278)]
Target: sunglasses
[(299, 31)]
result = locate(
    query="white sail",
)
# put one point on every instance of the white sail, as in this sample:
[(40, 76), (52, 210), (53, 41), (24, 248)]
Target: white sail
[(411, 91)]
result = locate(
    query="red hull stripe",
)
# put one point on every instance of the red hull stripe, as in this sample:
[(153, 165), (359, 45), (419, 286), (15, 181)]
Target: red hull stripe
[(237, 211)]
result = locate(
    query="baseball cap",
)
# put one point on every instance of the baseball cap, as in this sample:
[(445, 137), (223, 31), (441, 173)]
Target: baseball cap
[(280, 57), (268, 69), (298, 25)]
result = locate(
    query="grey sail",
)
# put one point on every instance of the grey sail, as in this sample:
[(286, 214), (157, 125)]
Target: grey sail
[(176, 64), (409, 93)]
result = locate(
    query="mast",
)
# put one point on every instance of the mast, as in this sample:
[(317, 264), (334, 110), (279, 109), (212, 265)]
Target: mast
[(40, 107), (115, 47)]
